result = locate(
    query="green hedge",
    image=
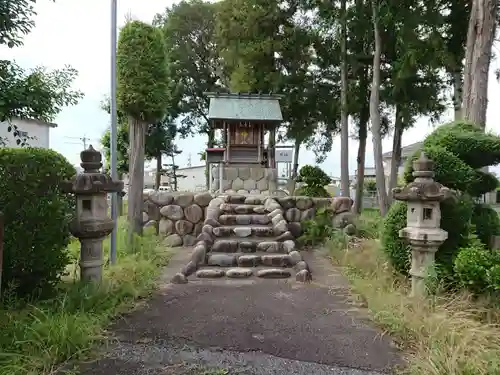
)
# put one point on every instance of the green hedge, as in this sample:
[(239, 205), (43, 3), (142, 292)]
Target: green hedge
[(458, 150), (37, 217)]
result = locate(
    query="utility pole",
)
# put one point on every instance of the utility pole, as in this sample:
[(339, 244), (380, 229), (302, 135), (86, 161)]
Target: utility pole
[(82, 140), (189, 160), (114, 174)]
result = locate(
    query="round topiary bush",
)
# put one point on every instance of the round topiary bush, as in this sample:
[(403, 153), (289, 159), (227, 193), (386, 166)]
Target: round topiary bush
[(458, 151), (315, 180), (37, 217), (455, 218)]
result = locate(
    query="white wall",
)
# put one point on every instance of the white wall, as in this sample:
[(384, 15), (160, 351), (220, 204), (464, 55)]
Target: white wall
[(39, 131), (195, 179)]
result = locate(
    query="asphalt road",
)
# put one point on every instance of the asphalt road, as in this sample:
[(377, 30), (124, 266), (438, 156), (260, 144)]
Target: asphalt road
[(253, 328)]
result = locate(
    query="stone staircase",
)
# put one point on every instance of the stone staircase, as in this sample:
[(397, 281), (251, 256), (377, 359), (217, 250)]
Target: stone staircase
[(245, 237)]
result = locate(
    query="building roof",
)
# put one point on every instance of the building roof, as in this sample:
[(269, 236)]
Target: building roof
[(38, 122), (405, 151), (245, 107)]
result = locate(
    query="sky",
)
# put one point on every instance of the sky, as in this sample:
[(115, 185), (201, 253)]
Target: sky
[(78, 33)]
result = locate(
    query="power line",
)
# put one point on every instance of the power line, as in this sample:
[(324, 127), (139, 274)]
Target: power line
[(83, 141)]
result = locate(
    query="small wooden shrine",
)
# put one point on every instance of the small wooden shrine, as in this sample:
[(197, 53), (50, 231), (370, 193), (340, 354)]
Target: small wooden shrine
[(244, 119)]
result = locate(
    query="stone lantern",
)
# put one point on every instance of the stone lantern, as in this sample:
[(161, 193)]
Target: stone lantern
[(92, 223), (422, 231)]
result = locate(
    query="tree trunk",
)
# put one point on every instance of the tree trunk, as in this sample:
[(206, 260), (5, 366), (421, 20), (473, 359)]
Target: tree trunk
[(136, 175), (396, 151), (344, 118), (480, 37), (296, 151), (174, 172), (119, 198), (158, 172), (375, 113), (457, 94), (363, 133), (272, 146), (210, 144)]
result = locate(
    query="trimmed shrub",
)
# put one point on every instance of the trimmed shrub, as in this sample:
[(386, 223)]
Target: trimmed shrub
[(315, 180), (487, 223), (458, 150), (477, 268), (37, 217)]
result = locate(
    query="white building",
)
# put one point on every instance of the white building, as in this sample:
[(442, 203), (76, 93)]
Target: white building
[(194, 180), (35, 132)]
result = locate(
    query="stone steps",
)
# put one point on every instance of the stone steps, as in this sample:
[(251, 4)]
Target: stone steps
[(244, 273), (249, 245), (244, 219), (235, 208), (244, 231), (253, 259)]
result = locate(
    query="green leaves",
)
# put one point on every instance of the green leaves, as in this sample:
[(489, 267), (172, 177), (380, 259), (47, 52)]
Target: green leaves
[(38, 93), (142, 72)]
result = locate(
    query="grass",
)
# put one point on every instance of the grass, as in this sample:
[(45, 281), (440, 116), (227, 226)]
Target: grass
[(39, 338), (446, 334)]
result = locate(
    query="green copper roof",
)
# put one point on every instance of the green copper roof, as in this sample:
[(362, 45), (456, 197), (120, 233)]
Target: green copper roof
[(248, 107)]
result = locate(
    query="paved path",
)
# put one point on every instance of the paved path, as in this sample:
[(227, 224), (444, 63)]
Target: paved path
[(258, 327)]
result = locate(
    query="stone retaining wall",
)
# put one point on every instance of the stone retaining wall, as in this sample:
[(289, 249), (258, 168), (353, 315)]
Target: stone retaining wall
[(179, 216), (297, 210), (245, 180)]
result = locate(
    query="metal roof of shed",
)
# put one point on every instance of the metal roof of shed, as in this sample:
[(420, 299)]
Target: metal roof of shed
[(245, 107)]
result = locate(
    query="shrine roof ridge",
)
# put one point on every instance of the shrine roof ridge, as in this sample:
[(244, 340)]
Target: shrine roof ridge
[(244, 95), (245, 107)]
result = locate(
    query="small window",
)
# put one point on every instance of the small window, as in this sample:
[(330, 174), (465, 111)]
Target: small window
[(427, 213), (87, 204), (22, 134)]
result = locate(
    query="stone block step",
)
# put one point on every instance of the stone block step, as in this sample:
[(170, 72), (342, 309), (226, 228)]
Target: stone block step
[(244, 273), (242, 208), (245, 199), (247, 245), (242, 231), (277, 260), (244, 219)]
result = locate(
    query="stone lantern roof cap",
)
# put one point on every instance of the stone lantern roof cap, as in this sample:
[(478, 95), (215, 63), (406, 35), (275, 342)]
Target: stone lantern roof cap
[(92, 180), (423, 188)]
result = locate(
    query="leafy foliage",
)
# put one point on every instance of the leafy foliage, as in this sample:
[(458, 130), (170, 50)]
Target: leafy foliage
[(193, 55), (315, 180), (317, 230), (457, 149), (37, 217), (476, 267), (39, 93), (142, 71), (15, 21)]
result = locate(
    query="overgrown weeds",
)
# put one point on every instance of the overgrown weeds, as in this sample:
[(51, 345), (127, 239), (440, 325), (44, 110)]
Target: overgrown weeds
[(446, 334), (37, 338)]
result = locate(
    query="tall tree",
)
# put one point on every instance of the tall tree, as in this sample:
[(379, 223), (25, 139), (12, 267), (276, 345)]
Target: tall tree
[(266, 46), (37, 93), (188, 28), (142, 93), (171, 169), (480, 37), (344, 115), (375, 110)]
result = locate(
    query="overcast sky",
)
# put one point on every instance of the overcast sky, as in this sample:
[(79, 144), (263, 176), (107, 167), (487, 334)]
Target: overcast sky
[(78, 33)]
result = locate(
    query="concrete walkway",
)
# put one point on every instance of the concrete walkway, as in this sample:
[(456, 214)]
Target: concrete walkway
[(256, 327)]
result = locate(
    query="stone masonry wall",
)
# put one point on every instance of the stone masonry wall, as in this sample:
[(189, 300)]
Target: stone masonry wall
[(299, 209), (179, 216), (245, 180)]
